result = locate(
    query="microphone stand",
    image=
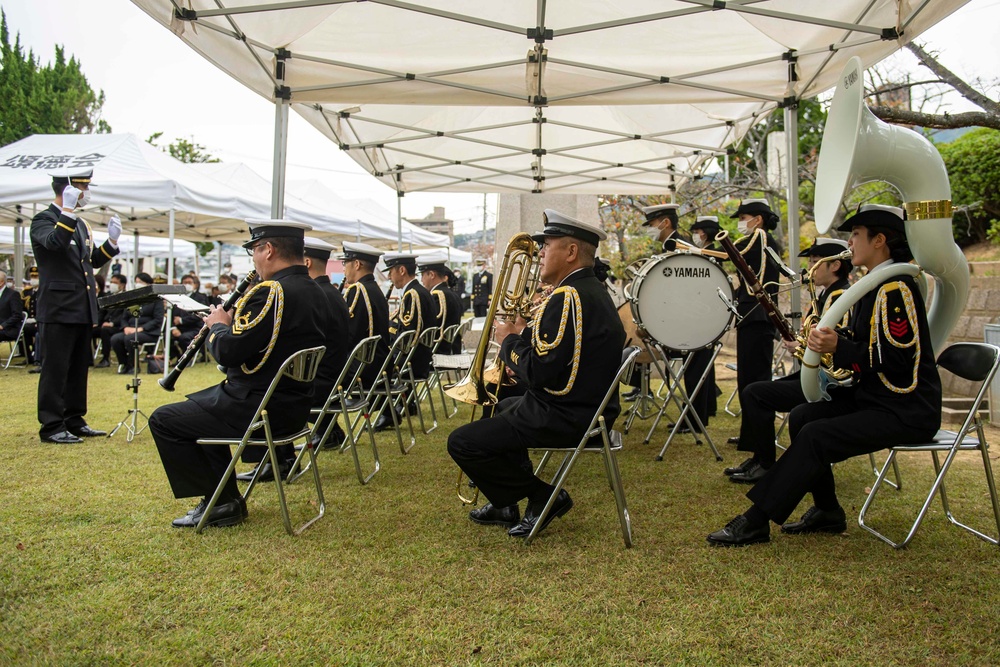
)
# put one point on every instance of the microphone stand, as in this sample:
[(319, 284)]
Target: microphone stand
[(130, 422)]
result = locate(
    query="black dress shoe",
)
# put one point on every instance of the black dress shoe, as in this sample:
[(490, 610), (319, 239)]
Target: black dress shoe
[(267, 474), (229, 513), (735, 440), (632, 394), (62, 438), (728, 472), (103, 363), (737, 533), (750, 475), (816, 520), (200, 507), (125, 370), (683, 429), (496, 516), (35, 369), (336, 439), (562, 505), (87, 432)]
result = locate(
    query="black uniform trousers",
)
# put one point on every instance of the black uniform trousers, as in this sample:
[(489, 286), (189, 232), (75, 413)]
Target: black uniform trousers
[(193, 469), (703, 402), (106, 333), (62, 385), (124, 344), (754, 351), (759, 402), (493, 455), (824, 433)]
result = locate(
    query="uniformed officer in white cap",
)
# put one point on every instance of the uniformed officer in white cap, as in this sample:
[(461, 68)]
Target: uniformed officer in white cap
[(63, 246), (438, 279), (416, 311), (567, 359), (661, 221), (366, 303)]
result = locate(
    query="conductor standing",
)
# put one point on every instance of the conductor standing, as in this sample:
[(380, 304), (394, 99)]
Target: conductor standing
[(63, 244)]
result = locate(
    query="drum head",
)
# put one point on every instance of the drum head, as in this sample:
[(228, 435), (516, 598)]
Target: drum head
[(676, 299)]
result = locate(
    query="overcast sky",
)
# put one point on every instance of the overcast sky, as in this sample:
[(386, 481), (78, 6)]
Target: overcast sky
[(155, 83)]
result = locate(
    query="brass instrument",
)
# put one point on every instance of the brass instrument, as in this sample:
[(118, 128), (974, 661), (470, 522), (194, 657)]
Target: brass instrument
[(812, 319), (513, 293)]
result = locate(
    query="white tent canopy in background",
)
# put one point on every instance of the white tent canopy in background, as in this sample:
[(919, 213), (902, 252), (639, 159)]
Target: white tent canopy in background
[(569, 96)]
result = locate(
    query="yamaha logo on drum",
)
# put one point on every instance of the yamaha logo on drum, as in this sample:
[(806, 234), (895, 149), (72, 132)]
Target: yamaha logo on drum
[(687, 272)]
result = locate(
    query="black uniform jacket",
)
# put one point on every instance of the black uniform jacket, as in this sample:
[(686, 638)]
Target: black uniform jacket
[(830, 295), (767, 272), (889, 350), (369, 316), (66, 256), (675, 236), (482, 288), (338, 339), (29, 299), (150, 317), (416, 312), (11, 309), (566, 383), (252, 358), (192, 321), (448, 306)]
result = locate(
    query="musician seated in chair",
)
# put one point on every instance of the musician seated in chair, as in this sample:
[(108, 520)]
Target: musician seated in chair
[(575, 333), (761, 400), (186, 325), (135, 332), (895, 397), (438, 279), (274, 319)]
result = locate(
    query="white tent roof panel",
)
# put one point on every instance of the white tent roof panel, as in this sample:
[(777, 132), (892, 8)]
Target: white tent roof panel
[(471, 72)]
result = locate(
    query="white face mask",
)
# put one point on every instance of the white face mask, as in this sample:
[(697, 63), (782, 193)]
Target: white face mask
[(139, 283), (84, 199), (223, 288), (189, 287), (698, 240), (743, 226), (652, 232), (34, 282)]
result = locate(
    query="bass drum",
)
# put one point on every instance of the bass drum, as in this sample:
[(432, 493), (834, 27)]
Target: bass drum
[(675, 298)]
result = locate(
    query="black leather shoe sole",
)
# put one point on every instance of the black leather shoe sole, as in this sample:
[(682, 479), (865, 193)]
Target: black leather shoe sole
[(523, 529), (739, 541), (823, 524)]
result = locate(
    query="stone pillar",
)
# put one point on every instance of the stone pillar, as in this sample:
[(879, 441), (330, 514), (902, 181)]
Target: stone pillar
[(523, 213)]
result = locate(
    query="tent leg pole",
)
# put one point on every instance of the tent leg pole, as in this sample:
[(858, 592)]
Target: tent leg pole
[(792, 137)]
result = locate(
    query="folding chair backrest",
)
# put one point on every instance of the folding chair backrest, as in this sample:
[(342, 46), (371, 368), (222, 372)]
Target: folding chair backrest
[(628, 360), (360, 358), (429, 337), (300, 366), (400, 352), (448, 336), (975, 362)]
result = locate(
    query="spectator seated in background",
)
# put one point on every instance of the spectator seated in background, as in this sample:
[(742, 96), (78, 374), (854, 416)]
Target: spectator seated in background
[(110, 320), (11, 310), (186, 325), (137, 331)]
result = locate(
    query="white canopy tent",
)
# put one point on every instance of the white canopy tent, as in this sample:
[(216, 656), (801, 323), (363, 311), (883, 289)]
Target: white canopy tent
[(581, 96)]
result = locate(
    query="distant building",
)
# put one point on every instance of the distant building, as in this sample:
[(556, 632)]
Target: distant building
[(437, 223)]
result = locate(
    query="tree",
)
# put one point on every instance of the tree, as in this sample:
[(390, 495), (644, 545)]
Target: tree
[(973, 163), (51, 99)]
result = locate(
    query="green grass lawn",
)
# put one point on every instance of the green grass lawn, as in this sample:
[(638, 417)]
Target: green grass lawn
[(91, 571)]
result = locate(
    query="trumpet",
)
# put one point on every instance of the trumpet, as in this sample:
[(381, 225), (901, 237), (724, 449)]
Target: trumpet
[(512, 295)]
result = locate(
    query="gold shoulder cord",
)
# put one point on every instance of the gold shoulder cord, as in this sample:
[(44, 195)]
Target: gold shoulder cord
[(571, 305), (758, 235), (845, 321), (443, 310), (880, 320), (406, 316), (360, 291), (241, 322)]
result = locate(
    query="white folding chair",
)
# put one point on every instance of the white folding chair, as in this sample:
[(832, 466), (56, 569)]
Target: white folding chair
[(339, 403), (300, 367), (18, 342), (976, 362), (611, 445)]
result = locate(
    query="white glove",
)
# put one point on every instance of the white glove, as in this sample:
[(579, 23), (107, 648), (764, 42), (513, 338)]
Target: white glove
[(70, 197), (114, 229)]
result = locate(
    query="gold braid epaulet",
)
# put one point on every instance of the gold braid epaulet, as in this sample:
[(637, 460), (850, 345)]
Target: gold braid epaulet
[(406, 315), (845, 321), (360, 291), (758, 235), (880, 320), (571, 305), (242, 322), (442, 311)]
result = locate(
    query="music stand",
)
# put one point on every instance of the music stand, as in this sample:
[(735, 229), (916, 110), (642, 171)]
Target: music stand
[(133, 300)]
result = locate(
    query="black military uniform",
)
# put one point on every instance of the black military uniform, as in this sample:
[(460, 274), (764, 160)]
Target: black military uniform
[(63, 246), (188, 324), (482, 291), (755, 333), (368, 308), (761, 400), (11, 313), (148, 326), (567, 359), (447, 303), (338, 337), (30, 302), (459, 288), (272, 321), (895, 399), (416, 312)]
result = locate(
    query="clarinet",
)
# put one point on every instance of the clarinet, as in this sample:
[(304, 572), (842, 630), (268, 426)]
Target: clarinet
[(198, 341), (754, 287)]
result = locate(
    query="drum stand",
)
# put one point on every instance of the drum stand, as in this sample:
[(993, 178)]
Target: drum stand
[(680, 398), (130, 422), (646, 405)]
